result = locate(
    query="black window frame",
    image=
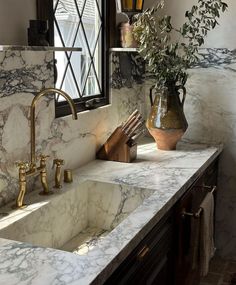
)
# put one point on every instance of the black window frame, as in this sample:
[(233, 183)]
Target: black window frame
[(45, 12)]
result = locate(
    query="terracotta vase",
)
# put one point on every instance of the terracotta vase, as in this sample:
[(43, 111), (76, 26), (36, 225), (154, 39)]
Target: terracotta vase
[(166, 121)]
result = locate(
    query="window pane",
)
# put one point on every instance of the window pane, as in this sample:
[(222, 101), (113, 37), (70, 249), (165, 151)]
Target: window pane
[(67, 21), (78, 24), (95, 78)]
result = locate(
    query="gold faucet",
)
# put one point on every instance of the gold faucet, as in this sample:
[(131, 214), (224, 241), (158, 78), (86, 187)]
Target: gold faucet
[(22, 181), (26, 169)]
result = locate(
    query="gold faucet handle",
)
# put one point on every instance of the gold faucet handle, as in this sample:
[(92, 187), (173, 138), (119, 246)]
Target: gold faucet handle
[(58, 162), (22, 164), (43, 157)]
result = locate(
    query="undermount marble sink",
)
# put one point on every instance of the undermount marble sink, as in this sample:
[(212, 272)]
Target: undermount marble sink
[(73, 220)]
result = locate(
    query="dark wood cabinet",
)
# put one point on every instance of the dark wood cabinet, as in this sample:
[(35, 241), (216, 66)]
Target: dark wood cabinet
[(186, 262), (151, 262), (164, 256)]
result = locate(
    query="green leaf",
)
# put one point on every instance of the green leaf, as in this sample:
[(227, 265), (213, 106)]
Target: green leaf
[(167, 57)]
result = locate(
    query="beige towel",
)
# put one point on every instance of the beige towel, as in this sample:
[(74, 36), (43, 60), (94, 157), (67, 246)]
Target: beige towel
[(207, 248)]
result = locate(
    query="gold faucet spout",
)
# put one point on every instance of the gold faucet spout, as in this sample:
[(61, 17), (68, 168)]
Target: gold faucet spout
[(26, 170), (32, 116)]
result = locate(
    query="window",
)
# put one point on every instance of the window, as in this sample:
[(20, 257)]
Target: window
[(82, 74)]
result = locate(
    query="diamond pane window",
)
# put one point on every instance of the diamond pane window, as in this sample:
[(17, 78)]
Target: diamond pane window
[(78, 23)]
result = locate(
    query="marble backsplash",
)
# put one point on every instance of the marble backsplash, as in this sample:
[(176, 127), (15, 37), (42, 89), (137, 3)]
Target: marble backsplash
[(209, 108), (211, 113), (23, 73)]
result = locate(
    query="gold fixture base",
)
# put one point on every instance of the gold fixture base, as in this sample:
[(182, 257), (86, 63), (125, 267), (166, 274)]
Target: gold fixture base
[(42, 193), (14, 207), (57, 187)]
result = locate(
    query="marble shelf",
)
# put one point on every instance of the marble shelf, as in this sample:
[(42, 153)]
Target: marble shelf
[(37, 48), (120, 49)]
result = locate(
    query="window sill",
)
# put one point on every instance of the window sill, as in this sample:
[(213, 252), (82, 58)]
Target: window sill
[(63, 109)]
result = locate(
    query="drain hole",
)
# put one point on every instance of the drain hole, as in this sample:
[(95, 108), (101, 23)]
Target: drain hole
[(2, 215)]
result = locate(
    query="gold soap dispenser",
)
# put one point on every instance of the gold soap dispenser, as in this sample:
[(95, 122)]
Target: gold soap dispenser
[(68, 177)]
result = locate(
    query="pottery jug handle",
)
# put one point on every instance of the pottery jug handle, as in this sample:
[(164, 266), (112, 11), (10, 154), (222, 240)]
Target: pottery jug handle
[(150, 95), (184, 94)]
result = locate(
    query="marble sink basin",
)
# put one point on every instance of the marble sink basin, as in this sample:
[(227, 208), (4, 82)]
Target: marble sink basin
[(74, 219)]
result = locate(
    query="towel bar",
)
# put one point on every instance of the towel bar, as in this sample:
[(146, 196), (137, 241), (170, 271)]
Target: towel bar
[(198, 213)]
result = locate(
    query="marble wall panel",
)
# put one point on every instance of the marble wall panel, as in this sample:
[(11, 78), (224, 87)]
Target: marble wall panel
[(211, 113), (23, 73), (209, 108)]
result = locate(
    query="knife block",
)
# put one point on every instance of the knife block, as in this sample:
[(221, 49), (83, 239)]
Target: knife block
[(118, 147)]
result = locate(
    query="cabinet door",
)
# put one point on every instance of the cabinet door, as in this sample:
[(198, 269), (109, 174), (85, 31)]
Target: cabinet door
[(186, 272), (158, 264), (159, 271), (152, 260)]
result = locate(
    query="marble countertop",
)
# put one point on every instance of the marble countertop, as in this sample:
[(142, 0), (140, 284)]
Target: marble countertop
[(168, 173)]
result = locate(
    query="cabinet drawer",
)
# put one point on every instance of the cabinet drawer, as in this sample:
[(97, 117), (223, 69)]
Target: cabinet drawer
[(148, 259)]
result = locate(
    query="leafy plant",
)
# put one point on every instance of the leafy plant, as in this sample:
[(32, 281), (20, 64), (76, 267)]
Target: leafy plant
[(168, 58)]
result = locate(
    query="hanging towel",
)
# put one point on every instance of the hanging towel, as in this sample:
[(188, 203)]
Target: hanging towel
[(207, 249)]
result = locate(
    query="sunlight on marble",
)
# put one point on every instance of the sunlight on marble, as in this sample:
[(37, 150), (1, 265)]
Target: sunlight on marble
[(101, 217)]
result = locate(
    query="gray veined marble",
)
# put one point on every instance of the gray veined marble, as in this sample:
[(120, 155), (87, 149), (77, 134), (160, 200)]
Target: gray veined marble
[(38, 48), (23, 73), (110, 205), (128, 69), (216, 57), (211, 114), (208, 106)]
